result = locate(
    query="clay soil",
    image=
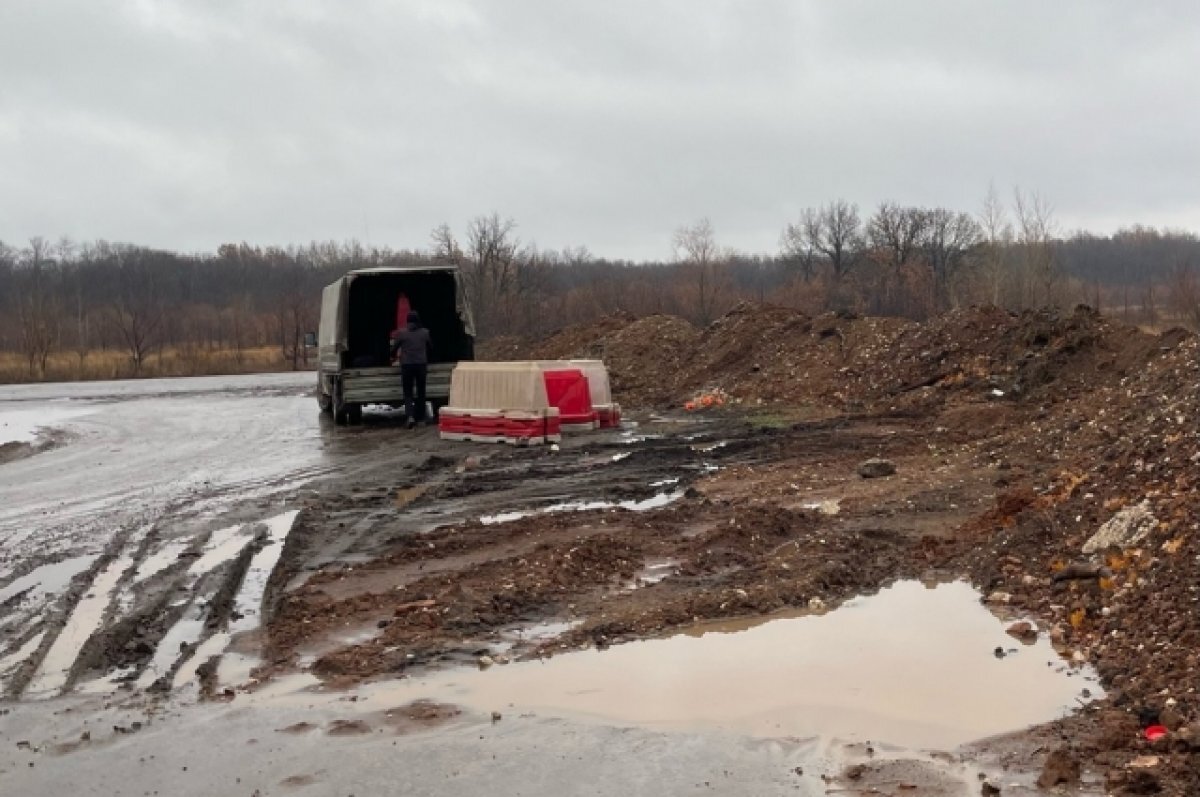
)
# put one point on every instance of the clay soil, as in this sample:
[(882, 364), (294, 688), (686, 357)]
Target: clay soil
[(1014, 438)]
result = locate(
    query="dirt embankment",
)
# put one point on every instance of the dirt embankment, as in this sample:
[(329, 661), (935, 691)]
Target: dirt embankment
[(774, 355), (1017, 438)]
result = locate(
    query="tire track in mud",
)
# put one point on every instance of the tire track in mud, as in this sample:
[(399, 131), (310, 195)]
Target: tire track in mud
[(60, 616), (109, 625)]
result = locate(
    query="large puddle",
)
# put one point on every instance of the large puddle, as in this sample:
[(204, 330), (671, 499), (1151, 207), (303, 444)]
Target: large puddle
[(913, 666)]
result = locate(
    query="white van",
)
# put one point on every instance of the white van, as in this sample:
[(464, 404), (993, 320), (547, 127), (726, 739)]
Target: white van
[(358, 315)]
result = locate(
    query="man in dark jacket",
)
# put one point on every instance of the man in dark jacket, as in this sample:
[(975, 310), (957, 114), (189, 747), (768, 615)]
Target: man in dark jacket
[(413, 344)]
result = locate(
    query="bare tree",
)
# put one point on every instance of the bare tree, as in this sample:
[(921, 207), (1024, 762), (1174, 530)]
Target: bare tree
[(1035, 235), (489, 268), (796, 247), (37, 307), (896, 235), (1184, 285), (898, 231), (137, 312), (696, 247), (445, 245), (997, 232), (834, 232), (948, 241)]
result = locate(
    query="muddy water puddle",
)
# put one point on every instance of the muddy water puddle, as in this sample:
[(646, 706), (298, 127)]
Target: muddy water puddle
[(656, 501), (48, 579), (911, 666), (84, 620), (223, 545)]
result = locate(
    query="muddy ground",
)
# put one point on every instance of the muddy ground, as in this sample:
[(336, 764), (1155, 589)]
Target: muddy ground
[(1013, 440)]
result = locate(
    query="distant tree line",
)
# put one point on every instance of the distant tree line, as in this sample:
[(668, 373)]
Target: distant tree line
[(61, 299)]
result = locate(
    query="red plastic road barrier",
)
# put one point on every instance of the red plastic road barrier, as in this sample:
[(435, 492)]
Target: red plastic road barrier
[(609, 416), (568, 390), (513, 427)]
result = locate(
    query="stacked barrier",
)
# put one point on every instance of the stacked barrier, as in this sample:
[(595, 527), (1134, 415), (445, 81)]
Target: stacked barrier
[(499, 403), (527, 402), (608, 412), (568, 390)]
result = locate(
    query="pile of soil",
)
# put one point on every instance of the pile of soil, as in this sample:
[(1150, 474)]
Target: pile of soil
[(763, 354), (1124, 453)]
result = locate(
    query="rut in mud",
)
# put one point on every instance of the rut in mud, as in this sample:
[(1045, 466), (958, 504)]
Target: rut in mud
[(387, 577)]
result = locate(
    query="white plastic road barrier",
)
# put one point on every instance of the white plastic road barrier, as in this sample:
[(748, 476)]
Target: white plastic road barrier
[(499, 402)]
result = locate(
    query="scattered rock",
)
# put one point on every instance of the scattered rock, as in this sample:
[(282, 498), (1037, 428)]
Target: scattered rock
[(1082, 571), (1141, 781), (1060, 767), (856, 772), (496, 716), (876, 468), (1125, 529), (485, 662), (1024, 631), (1171, 719), (989, 790)]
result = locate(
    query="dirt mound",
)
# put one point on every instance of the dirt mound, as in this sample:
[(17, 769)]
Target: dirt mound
[(996, 354), (763, 354), (1125, 456)]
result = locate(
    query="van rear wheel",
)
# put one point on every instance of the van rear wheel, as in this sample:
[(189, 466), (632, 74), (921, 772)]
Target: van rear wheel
[(341, 410)]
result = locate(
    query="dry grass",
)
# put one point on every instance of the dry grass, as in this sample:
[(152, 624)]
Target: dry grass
[(113, 364)]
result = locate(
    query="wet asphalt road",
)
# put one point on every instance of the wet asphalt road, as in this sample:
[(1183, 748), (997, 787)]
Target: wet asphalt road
[(127, 449)]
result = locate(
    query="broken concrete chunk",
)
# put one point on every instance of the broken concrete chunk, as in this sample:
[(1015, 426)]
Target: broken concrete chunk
[(876, 467), (1124, 529)]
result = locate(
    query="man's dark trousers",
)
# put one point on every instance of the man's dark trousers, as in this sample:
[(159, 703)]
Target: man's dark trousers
[(412, 377)]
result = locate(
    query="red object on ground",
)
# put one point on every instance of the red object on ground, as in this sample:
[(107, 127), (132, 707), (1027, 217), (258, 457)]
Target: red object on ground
[(1155, 732), (402, 308), (568, 390)]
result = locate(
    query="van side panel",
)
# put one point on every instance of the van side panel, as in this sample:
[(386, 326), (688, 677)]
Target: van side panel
[(331, 336)]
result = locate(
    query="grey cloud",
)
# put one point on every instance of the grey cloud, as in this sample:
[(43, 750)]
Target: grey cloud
[(186, 124)]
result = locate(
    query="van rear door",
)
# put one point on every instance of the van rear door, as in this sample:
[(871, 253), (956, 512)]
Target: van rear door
[(332, 334)]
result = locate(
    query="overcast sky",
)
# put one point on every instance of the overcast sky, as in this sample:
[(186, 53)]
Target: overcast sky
[(188, 123)]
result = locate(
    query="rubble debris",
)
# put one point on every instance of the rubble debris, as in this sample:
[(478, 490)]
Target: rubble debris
[(876, 468), (1124, 530)]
